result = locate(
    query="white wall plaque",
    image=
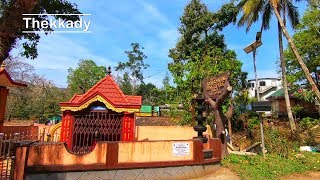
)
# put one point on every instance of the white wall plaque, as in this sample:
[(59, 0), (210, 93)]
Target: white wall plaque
[(181, 149)]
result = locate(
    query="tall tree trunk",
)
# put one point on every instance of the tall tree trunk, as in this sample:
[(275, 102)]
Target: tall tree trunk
[(295, 51), (284, 81)]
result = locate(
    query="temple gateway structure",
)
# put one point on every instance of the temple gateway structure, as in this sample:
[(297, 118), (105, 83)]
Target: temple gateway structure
[(103, 113), (99, 140)]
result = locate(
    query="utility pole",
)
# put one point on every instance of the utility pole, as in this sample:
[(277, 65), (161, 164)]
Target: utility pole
[(255, 74), (252, 48)]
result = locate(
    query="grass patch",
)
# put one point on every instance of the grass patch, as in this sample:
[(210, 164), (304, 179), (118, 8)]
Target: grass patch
[(273, 167)]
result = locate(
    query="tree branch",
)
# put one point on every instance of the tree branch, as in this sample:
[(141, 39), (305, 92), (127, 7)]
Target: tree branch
[(224, 95), (229, 112)]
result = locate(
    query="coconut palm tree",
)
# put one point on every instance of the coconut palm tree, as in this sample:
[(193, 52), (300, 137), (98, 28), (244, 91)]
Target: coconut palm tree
[(295, 50), (252, 9)]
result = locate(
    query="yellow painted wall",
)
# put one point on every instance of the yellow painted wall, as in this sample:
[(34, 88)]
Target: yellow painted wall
[(147, 151), (154, 133)]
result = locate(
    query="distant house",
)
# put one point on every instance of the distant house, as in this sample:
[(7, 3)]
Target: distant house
[(267, 86), (278, 104)]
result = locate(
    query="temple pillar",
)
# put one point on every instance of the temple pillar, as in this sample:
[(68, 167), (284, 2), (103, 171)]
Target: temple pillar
[(3, 101), (66, 128)]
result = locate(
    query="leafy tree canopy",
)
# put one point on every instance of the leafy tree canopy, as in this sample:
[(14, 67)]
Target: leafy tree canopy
[(135, 64), (307, 40), (85, 76), (201, 51), (39, 100), (149, 93), (125, 84), (12, 24)]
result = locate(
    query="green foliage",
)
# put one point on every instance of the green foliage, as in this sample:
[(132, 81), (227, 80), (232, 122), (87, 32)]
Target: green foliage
[(39, 100), (308, 122), (125, 84), (277, 143), (85, 76), (135, 63), (241, 101), (176, 114), (201, 51), (273, 167), (12, 24), (253, 122), (252, 10), (166, 81), (296, 109), (304, 94), (307, 41), (149, 93)]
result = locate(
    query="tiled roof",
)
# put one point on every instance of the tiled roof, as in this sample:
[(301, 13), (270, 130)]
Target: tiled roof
[(134, 99), (110, 91)]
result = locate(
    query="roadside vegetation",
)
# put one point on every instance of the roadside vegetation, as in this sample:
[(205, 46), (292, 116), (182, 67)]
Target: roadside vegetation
[(283, 155), (274, 166)]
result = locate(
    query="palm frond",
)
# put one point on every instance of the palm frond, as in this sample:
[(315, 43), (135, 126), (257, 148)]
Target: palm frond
[(242, 20), (249, 22), (241, 4), (292, 13), (251, 10), (266, 17)]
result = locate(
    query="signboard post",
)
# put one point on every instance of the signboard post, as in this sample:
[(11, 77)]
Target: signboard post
[(216, 90), (260, 107)]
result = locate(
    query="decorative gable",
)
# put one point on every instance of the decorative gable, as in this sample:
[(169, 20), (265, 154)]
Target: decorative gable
[(108, 92)]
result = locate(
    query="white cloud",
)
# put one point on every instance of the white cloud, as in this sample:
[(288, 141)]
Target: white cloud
[(153, 11), (57, 53)]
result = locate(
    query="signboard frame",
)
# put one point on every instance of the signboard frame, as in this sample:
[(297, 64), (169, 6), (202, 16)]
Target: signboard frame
[(216, 85)]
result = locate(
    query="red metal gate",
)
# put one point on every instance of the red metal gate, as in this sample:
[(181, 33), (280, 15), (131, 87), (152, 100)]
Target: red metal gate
[(128, 125), (95, 126)]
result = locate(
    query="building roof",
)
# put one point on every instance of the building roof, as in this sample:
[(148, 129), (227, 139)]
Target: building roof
[(106, 91), (279, 94), (6, 80), (259, 79)]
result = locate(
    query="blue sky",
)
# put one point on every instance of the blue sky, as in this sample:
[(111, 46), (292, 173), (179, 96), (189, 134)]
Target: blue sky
[(153, 24)]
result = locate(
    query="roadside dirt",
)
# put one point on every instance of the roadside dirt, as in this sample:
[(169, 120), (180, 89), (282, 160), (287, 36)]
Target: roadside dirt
[(304, 176), (221, 174), (226, 174)]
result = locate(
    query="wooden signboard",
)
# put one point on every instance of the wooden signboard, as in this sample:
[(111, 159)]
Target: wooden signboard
[(215, 85)]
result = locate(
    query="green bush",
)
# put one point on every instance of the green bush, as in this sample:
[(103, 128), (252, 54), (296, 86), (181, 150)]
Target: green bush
[(308, 122), (281, 141), (253, 122)]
